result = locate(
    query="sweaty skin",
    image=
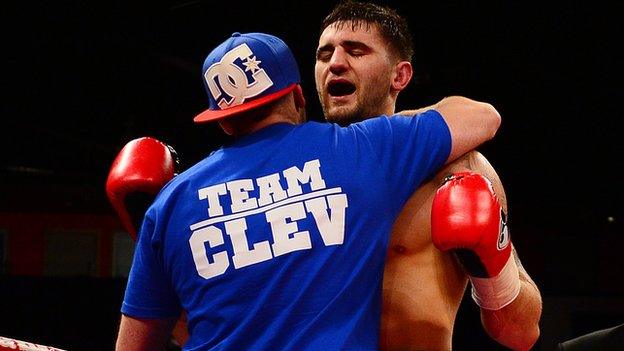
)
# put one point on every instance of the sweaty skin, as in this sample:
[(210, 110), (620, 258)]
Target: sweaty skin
[(423, 287)]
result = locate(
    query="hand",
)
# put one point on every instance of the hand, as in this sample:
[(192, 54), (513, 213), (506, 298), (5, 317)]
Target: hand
[(467, 218)]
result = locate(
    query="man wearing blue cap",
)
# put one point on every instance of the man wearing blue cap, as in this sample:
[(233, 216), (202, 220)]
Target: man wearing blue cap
[(277, 240)]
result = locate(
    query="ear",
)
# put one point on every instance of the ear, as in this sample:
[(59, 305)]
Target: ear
[(227, 127), (299, 98), (402, 75)]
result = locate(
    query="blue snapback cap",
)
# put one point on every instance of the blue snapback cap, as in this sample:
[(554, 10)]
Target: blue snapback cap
[(247, 71)]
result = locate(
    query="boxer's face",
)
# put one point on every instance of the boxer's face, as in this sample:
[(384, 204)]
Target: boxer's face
[(353, 73)]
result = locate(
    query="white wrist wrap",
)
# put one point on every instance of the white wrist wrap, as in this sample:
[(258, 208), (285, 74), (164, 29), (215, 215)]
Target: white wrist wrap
[(497, 292)]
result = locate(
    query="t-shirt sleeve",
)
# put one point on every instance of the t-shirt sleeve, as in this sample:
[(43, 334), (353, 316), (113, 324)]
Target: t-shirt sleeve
[(411, 149), (149, 293)]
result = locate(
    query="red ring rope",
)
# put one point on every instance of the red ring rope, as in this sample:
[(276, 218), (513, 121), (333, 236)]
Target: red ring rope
[(7, 344)]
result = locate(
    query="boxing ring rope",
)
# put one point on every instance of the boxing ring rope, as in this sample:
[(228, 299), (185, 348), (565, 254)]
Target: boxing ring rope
[(8, 344)]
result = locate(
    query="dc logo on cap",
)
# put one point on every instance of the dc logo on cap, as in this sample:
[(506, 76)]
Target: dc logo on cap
[(233, 79)]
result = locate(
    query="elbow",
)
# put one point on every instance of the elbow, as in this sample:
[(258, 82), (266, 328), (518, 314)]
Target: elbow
[(483, 113), (532, 338), (492, 118), (528, 340), (521, 338)]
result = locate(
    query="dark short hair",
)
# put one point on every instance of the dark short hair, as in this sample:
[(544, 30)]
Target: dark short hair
[(391, 25)]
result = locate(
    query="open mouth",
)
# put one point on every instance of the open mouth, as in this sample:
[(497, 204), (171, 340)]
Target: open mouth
[(340, 88)]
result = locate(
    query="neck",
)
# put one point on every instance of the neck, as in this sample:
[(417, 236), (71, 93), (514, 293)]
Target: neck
[(270, 120), (388, 108), (281, 111), (244, 125), (380, 106)]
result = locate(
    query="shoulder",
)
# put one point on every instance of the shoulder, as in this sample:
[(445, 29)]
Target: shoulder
[(474, 161), (178, 185)]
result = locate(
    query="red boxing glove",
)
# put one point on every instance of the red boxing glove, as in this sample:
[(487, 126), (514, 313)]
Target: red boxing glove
[(140, 170), (466, 217)]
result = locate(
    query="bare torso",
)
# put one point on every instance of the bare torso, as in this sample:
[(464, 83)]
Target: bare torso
[(423, 287)]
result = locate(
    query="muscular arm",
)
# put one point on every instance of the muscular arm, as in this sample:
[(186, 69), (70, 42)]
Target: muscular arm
[(470, 122), (515, 325), (143, 334)]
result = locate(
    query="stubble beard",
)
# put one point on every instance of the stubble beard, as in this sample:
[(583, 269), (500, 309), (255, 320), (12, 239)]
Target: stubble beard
[(371, 100), (364, 108), (343, 115)]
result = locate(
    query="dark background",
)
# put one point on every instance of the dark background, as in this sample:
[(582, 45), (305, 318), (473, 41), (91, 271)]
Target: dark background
[(81, 78)]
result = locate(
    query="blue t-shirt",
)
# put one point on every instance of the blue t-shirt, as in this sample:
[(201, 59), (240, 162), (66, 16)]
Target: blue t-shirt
[(278, 241)]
